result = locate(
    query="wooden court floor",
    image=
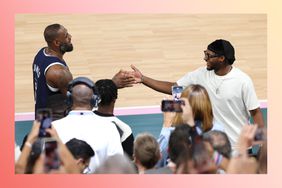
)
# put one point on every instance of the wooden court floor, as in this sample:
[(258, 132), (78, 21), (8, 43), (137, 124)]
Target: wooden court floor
[(163, 46)]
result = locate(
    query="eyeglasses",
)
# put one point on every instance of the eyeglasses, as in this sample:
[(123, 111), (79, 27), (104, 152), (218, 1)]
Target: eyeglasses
[(208, 56)]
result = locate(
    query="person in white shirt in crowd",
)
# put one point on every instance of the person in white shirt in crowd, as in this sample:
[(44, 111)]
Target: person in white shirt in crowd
[(108, 92), (82, 124)]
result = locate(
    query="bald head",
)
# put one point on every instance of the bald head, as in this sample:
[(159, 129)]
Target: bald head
[(81, 96)]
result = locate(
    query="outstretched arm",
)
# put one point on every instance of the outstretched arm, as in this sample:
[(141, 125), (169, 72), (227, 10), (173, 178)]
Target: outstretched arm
[(160, 86)]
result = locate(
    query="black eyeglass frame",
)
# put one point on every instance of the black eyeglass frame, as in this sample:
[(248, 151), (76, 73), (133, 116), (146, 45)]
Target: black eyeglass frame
[(208, 56)]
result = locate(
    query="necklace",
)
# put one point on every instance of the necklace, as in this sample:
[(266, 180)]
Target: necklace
[(217, 91)]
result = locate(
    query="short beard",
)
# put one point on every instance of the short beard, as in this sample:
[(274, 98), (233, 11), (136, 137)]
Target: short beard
[(64, 47), (210, 69)]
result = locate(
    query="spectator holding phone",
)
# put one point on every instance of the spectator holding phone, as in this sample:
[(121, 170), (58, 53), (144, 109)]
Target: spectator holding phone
[(66, 161), (231, 91), (197, 113)]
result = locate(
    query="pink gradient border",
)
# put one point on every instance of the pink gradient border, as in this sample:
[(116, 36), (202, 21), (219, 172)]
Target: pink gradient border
[(10, 8)]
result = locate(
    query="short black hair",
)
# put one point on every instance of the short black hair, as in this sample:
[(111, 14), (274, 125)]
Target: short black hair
[(51, 32), (80, 149), (108, 91), (224, 48), (179, 141)]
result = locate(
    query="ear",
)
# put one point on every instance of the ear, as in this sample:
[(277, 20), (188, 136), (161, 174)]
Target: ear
[(80, 161), (56, 42), (221, 58)]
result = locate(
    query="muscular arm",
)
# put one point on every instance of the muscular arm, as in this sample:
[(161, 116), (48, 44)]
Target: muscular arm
[(257, 116), (160, 86), (58, 76)]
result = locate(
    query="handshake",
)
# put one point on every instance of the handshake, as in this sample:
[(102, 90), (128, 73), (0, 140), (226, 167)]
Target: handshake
[(127, 78)]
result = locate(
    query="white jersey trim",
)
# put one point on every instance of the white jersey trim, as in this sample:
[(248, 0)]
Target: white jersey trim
[(53, 89)]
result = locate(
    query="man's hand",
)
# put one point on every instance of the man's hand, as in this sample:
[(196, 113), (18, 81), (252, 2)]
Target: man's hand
[(124, 79), (137, 74)]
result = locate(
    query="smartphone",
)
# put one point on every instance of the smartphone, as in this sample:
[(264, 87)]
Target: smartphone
[(44, 116), (176, 92), (52, 159), (172, 105)]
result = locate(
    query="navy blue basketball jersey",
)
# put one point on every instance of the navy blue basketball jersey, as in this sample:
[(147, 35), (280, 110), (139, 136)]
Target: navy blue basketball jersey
[(42, 92)]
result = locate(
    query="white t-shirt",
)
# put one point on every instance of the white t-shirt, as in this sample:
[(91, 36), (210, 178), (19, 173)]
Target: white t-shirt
[(232, 96), (101, 135)]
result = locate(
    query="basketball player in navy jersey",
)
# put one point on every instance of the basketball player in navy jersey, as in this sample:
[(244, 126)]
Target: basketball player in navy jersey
[(51, 74)]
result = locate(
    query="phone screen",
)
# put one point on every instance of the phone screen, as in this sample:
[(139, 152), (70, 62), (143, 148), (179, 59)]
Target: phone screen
[(172, 105), (52, 160), (176, 92), (45, 119)]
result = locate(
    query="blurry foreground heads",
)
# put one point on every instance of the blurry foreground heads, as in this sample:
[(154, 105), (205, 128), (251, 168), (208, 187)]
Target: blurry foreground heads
[(116, 164), (82, 152)]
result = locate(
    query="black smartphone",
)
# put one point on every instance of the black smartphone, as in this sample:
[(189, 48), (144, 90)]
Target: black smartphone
[(52, 159), (172, 105), (44, 116)]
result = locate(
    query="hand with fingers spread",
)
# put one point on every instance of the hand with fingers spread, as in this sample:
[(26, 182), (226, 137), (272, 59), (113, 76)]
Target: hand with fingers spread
[(124, 79), (137, 74)]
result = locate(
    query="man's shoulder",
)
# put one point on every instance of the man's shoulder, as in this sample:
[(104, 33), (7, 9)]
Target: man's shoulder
[(238, 73)]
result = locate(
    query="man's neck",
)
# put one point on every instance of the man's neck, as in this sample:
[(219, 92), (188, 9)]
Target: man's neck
[(223, 71), (81, 108), (106, 109), (54, 52)]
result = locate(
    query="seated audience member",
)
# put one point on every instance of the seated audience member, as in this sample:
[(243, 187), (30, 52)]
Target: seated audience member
[(219, 142), (82, 152), (116, 164), (81, 123), (32, 160), (179, 144), (108, 92), (146, 152), (197, 112), (203, 158)]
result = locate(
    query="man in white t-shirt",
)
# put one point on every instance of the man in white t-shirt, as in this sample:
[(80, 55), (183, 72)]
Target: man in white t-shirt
[(231, 91), (82, 124)]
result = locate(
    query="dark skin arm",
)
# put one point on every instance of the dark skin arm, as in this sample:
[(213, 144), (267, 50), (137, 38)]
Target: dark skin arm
[(58, 76), (257, 116), (160, 86)]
